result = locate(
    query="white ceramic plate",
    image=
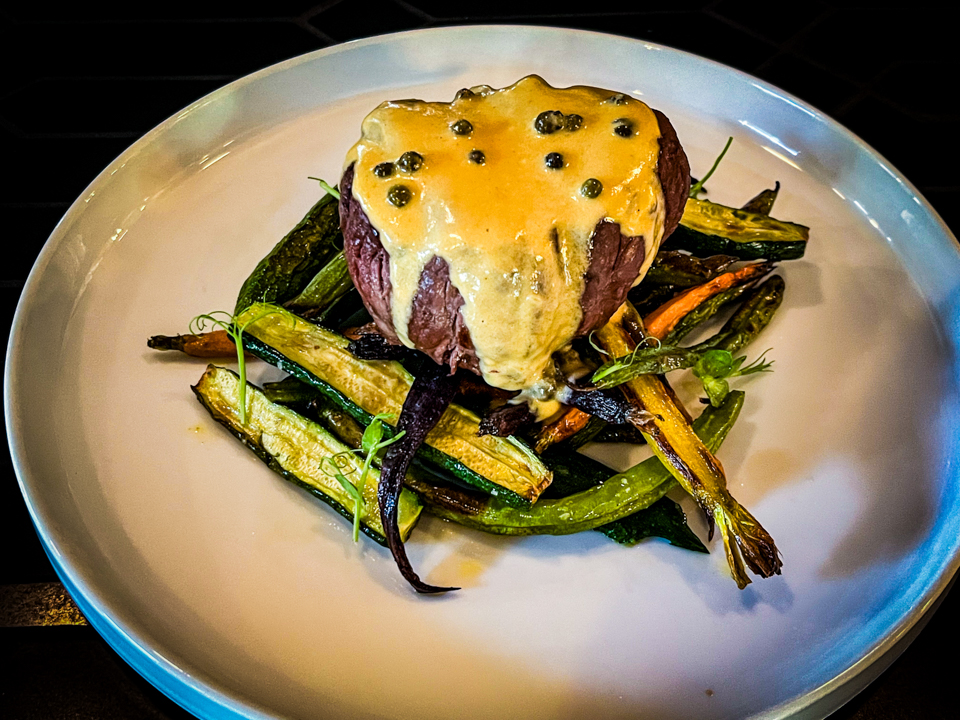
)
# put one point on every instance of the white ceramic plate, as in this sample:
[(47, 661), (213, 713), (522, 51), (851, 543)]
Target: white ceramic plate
[(238, 595)]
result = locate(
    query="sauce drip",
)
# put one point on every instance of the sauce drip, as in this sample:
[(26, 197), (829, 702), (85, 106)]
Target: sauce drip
[(514, 227)]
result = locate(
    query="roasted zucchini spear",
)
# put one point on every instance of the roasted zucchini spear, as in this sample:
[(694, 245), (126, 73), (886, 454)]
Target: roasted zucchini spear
[(299, 450), (708, 228), (502, 466)]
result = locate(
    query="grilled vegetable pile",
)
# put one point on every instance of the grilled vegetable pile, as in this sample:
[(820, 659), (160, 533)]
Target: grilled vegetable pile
[(381, 433)]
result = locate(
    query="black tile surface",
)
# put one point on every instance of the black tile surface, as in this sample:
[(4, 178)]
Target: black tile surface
[(81, 82), (350, 20), (54, 169), (68, 107), (821, 88)]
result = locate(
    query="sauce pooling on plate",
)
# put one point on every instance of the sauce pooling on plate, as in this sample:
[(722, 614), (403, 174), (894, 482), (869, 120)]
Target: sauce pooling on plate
[(508, 186)]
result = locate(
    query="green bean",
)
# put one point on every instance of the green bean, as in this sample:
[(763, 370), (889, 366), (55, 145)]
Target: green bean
[(747, 322), (703, 312), (672, 267), (619, 496), (762, 204), (330, 284), (293, 261)]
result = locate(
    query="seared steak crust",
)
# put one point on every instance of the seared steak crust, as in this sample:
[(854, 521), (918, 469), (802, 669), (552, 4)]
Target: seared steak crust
[(436, 324), (615, 259), (674, 171), (367, 260)]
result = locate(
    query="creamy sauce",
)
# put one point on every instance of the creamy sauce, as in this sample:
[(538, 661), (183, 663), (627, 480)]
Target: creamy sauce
[(515, 232)]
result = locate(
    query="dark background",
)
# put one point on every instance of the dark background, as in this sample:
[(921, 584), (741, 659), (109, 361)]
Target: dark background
[(81, 84)]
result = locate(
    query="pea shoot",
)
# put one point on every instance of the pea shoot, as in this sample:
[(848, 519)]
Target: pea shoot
[(327, 187), (698, 186), (715, 367), (371, 444), (228, 323)]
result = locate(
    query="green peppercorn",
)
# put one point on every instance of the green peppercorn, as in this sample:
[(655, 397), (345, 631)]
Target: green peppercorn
[(383, 170), (573, 122), (462, 127), (623, 127), (591, 188), (554, 161), (399, 195), (548, 122), (617, 99), (465, 93), (410, 162), (478, 157)]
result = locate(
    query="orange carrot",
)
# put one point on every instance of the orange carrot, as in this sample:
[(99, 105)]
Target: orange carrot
[(662, 320), (215, 344), (572, 421)]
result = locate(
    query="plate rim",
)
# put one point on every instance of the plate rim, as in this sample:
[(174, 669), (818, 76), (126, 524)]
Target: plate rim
[(182, 686)]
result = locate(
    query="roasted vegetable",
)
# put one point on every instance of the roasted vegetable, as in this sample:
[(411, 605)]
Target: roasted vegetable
[(751, 317), (570, 422), (703, 312), (672, 267), (574, 473), (744, 325), (330, 284), (664, 519), (709, 229), (662, 320), (690, 461), (319, 357), (670, 323), (298, 450), (213, 344), (507, 420), (296, 259), (619, 434), (618, 497), (424, 405), (762, 203), (289, 391), (647, 297)]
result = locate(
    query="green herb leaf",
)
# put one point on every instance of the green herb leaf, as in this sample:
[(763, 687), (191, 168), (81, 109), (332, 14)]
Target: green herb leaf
[(643, 361), (758, 365), (370, 445), (227, 322), (698, 186), (371, 436), (352, 490), (330, 189), (715, 366), (716, 363)]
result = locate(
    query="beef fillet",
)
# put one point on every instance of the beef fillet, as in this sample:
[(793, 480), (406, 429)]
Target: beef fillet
[(436, 325)]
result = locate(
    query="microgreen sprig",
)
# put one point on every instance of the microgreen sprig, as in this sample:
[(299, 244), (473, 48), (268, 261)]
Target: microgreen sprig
[(716, 367), (327, 187), (228, 323), (338, 463), (647, 357), (698, 186), (713, 367), (371, 444)]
